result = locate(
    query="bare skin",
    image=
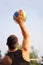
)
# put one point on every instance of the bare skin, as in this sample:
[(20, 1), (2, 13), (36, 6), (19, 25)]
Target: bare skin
[(25, 44)]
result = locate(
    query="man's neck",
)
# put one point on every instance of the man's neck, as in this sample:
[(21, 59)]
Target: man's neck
[(12, 50)]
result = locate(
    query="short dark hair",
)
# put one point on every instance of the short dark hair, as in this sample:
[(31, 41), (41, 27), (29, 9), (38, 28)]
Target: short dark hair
[(11, 41)]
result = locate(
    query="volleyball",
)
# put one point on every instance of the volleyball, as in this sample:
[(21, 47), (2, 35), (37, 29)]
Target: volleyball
[(21, 13)]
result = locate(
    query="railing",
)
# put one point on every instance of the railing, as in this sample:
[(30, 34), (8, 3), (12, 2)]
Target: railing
[(34, 62)]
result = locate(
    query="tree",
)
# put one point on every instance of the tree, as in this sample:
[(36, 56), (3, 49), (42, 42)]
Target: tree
[(33, 55)]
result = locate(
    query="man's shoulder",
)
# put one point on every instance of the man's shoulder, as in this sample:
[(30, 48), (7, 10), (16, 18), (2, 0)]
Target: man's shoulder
[(6, 60)]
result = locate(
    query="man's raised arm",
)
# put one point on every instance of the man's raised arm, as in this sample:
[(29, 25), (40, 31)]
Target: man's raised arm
[(26, 36)]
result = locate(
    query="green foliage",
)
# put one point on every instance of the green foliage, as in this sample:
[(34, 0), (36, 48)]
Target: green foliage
[(34, 63), (33, 55), (19, 47)]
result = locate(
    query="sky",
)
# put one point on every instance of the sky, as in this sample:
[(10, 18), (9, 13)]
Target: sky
[(34, 22)]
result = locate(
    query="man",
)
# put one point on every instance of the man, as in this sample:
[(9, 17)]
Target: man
[(15, 56)]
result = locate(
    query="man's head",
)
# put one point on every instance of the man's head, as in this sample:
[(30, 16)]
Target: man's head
[(12, 42)]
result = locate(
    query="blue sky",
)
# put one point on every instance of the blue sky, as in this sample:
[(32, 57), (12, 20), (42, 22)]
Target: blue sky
[(34, 22)]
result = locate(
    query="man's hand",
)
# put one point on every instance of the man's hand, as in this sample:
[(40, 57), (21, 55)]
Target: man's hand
[(19, 19)]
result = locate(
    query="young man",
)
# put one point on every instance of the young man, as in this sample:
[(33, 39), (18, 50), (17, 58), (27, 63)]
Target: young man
[(15, 56)]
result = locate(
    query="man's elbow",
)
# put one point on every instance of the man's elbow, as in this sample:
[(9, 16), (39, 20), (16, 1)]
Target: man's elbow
[(27, 36)]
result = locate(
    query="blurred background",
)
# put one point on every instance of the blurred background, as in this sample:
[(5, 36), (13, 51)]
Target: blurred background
[(34, 23)]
